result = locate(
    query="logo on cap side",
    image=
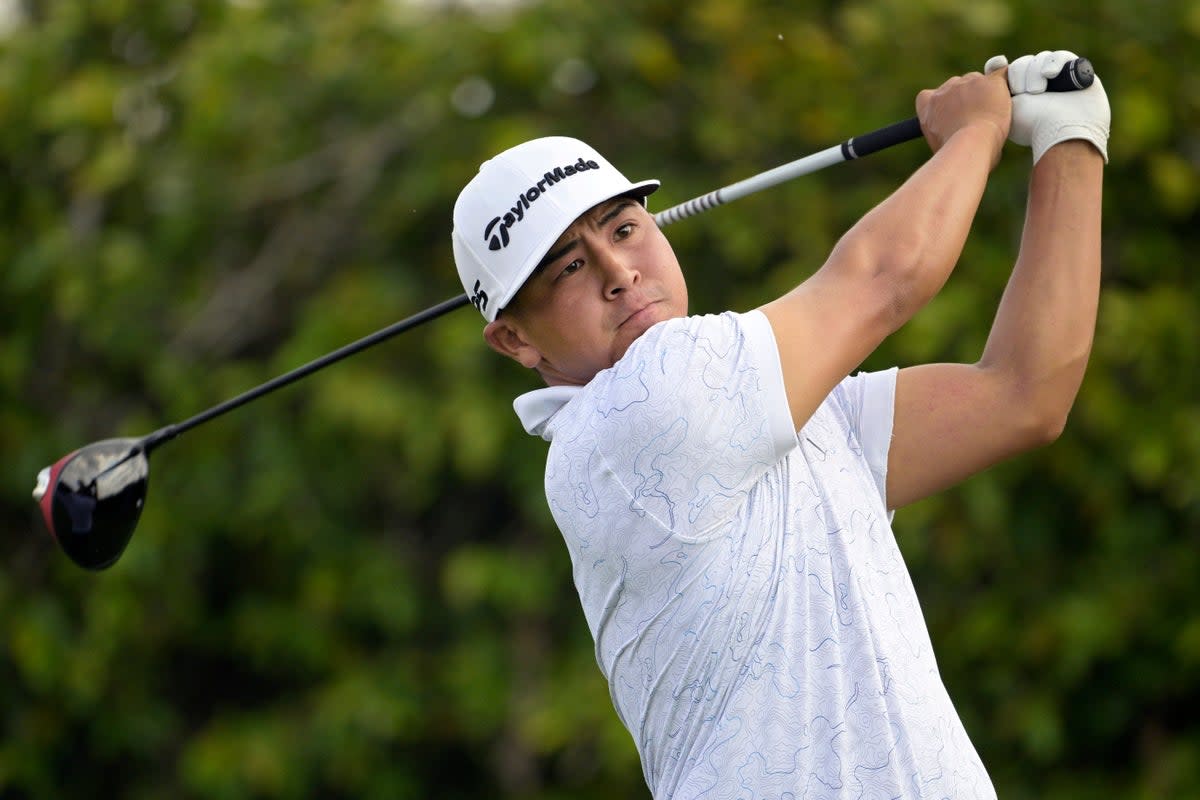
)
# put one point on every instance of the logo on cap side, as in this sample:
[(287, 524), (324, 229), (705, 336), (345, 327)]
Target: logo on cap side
[(496, 232), (479, 298)]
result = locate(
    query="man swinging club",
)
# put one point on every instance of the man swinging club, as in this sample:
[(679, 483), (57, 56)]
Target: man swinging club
[(725, 484)]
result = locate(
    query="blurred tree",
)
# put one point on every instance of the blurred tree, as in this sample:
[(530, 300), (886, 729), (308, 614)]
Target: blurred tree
[(353, 589)]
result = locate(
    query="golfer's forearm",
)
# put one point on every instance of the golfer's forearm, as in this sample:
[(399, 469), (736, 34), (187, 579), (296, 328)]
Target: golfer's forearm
[(1042, 335), (914, 238)]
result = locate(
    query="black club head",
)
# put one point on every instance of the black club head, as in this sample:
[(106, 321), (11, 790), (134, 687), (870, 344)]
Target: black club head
[(91, 499)]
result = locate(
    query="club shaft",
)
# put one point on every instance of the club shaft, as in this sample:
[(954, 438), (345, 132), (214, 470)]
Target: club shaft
[(803, 166), (1077, 74)]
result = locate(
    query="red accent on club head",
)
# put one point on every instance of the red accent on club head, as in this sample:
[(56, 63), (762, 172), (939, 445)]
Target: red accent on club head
[(47, 501)]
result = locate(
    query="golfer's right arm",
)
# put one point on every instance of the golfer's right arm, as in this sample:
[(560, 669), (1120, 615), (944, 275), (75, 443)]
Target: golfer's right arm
[(898, 256)]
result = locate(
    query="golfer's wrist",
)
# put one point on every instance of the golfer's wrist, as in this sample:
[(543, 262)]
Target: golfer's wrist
[(1072, 154), (983, 135), (1071, 150)]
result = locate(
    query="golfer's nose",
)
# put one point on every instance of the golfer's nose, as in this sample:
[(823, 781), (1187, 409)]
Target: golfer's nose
[(620, 272)]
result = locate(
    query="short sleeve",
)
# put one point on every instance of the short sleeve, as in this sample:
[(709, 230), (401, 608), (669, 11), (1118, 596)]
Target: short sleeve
[(868, 400)]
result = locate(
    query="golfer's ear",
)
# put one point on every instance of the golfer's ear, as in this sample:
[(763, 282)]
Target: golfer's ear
[(506, 338)]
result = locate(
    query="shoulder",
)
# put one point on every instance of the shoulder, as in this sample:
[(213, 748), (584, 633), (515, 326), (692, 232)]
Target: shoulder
[(703, 346), (701, 374), (680, 362), (680, 429)]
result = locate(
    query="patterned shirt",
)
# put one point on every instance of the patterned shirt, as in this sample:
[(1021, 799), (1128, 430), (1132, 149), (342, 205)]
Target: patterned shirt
[(751, 610)]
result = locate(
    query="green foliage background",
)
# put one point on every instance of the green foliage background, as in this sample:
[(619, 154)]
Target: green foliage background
[(352, 588)]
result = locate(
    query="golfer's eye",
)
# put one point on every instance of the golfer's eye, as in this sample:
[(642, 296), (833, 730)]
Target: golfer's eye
[(624, 231), (572, 268)]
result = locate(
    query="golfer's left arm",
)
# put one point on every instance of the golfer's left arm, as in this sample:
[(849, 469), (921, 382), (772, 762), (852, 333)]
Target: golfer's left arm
[(954, 420)]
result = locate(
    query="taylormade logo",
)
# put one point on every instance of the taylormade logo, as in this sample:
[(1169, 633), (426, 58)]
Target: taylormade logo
[(496, 232)]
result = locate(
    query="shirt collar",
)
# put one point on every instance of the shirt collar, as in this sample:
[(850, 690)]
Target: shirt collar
[(536, 408)]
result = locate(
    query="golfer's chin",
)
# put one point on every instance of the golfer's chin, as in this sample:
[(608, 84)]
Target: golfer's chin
[(632, 329)]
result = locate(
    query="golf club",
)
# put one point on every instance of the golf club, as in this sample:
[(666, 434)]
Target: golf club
[(91, 499)]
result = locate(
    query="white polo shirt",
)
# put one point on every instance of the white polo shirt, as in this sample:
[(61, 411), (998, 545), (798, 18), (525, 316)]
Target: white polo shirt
[(751, 611)]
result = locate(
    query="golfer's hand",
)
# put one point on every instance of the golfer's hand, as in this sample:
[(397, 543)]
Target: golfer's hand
[(1042, 119), (973, 100)]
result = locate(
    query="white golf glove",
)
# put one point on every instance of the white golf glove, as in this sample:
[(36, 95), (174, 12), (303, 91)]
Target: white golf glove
[(1042, 119)]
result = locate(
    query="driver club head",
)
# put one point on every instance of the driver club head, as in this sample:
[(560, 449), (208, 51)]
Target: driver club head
[(92, 498)]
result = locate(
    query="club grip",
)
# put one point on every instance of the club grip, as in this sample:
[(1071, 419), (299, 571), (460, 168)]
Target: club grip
[(880, 139), (1077, 74)]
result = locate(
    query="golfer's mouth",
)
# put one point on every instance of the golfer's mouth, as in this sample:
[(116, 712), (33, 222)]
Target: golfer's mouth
[(642, 314)]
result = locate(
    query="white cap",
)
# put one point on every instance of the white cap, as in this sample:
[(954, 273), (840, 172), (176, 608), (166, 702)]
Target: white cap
[(511, 213)]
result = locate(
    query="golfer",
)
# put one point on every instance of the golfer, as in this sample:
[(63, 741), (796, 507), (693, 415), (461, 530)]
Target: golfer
[(725, 483)]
